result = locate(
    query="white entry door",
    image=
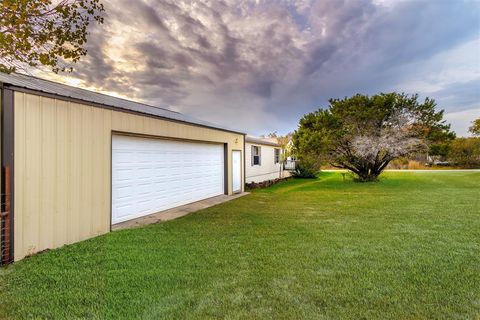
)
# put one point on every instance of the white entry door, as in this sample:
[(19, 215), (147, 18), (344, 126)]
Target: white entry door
[(237, 171), (151, 175)]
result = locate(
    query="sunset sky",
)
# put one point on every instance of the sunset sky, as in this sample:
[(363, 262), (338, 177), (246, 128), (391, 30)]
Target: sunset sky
[(258, 66)]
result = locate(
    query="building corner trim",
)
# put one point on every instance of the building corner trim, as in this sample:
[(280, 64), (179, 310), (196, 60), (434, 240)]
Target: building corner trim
[(7, 166)]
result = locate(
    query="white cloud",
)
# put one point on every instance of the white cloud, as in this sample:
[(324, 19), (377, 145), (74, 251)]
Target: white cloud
[(459, 64)]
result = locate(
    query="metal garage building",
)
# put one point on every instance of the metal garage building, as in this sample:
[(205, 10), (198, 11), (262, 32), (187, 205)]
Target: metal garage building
[(75, 162)]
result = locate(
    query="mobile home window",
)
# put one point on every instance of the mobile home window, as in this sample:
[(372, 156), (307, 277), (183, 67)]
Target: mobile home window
[(256, 156), (276, 156)]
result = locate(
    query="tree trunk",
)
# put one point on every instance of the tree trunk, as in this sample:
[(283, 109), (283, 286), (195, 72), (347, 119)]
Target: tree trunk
[(368, 172), (364, 171)]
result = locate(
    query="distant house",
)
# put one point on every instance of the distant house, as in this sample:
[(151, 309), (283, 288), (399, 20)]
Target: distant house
[(264, 160)]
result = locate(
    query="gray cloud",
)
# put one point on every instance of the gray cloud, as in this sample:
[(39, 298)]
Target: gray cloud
[(260, 65), (460, 96)]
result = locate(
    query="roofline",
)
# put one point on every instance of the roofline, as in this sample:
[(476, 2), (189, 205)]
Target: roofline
[(107, 106), (273, 144), (90, 91), (260, 141)]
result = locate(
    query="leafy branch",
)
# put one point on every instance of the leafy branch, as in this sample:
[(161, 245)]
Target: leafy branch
[(38, 32)]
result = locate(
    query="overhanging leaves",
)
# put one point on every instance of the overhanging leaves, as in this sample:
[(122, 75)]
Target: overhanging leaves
[(39, 32)]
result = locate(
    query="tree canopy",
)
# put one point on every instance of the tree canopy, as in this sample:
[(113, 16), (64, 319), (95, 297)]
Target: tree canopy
[(39, 32), (475, 128), (364, 133)]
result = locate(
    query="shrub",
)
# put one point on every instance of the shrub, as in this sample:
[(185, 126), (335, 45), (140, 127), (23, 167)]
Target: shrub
[(306, 168)]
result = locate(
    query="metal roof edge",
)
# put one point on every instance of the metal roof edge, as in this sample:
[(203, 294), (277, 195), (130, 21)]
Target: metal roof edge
[(17, 85), (112, 107)]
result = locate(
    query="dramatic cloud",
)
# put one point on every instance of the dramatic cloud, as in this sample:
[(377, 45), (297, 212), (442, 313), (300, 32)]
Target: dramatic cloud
[(258, 66)]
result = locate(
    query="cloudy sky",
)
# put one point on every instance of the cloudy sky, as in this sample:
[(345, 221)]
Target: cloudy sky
[(258, 66)]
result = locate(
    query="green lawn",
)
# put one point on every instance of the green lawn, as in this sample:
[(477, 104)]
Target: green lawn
[(407, 247)]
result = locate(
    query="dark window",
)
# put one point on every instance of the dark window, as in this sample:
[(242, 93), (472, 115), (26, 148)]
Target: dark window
[(256, 156), (276, 156)]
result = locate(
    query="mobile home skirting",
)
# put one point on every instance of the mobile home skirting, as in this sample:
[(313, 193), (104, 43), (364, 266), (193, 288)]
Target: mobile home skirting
[(62, 152)]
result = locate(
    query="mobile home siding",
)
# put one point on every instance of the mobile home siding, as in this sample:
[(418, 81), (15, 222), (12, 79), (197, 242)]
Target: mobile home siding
[(268, 169), (63, 166)]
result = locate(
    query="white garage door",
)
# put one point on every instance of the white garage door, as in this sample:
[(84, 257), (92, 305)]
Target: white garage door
[(151, 175)]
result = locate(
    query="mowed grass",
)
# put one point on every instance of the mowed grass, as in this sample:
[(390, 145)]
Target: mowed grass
[(407, 247)]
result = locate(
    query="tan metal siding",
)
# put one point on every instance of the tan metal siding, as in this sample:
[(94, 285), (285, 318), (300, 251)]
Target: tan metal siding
[(62, 167)]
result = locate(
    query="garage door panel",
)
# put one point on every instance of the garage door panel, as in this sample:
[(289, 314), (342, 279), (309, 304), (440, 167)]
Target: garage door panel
[(151, 175)]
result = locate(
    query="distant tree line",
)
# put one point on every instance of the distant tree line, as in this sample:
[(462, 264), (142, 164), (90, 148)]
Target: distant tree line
[(464, 152)]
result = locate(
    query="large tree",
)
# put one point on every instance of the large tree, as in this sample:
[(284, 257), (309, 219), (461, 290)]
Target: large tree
[(45, 32), (364, 133)]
